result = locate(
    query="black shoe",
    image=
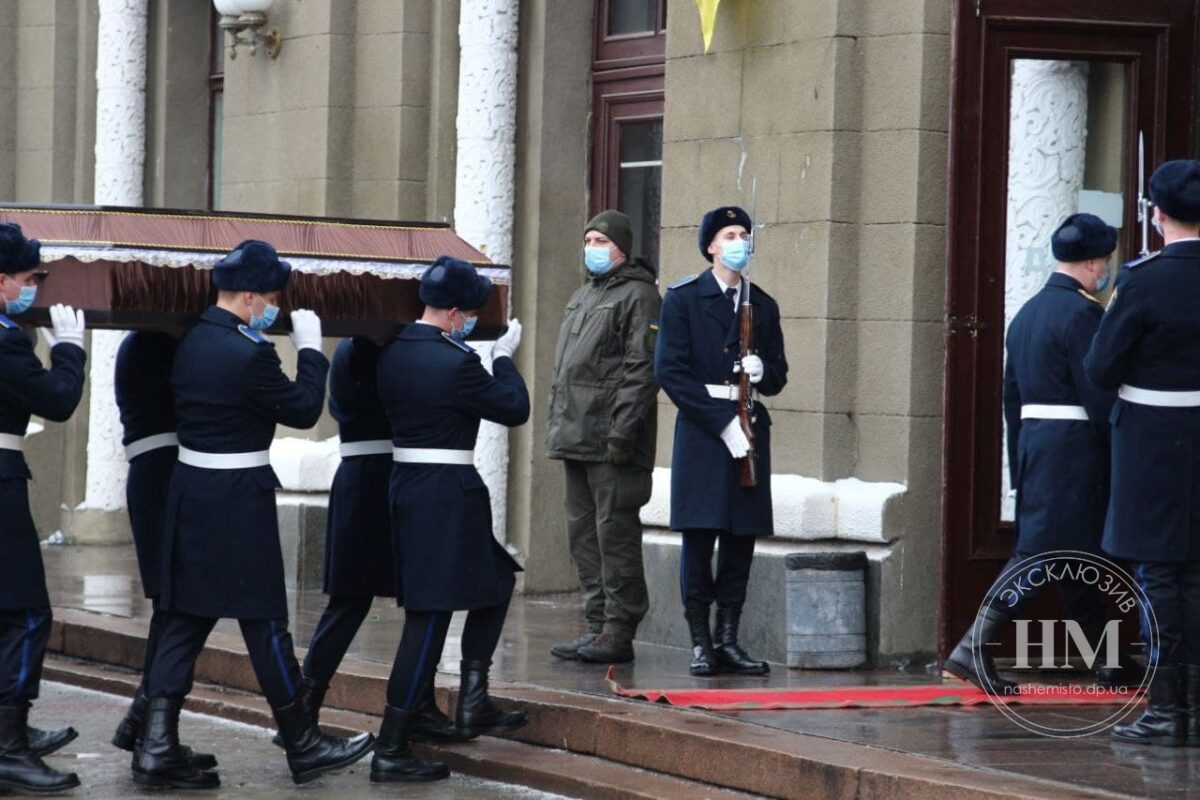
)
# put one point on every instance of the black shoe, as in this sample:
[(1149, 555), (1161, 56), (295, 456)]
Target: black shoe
[(312, 697), (971, 650), (704, 660), (130, 729), (608, 648), (158, 760), (477, 713), (394, 761), (43, 743), (1127, 675), (730, 655), (311, 753), (570, 650), (1193, 705), (1164, 722), (427, 723), (20, 770)]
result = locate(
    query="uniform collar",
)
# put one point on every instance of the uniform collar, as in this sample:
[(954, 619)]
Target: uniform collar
[(1186, 248), (420, 331), (1063, 281), (219, 316)]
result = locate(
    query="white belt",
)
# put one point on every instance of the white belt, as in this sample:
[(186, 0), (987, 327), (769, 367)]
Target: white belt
[(11, 441), (192, 458), (1153, 397), (155, 442), (372, 447), (726, 391), (1043, 411), (431, 455)]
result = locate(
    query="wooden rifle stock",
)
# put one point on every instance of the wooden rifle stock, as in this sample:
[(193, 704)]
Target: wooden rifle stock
[(746, 398)]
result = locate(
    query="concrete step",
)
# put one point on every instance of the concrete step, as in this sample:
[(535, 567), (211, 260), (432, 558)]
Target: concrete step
[(546, 769), (703, 748)]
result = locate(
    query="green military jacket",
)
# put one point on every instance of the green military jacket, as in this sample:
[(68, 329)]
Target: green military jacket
[(603, 388)]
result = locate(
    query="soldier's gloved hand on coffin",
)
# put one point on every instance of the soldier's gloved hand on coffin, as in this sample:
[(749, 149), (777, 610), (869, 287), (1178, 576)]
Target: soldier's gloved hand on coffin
[(735, 439), (306, 329), (753, 366), (507, 344), (68, 326)]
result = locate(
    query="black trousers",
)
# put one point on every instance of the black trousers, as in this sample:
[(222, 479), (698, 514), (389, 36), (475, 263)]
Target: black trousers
[(696, 581), (1173, 590), (23, 638), (421, 646), (1082, 601), (182, 640), (342, 618)]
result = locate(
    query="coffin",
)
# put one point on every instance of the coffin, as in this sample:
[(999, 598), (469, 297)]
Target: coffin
[(147, 268)]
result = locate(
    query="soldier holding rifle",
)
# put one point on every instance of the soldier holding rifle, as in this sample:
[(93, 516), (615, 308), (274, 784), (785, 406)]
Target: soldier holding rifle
[(713, 366)]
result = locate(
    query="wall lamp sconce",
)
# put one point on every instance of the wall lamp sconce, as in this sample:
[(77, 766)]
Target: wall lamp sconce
[(243, 22)]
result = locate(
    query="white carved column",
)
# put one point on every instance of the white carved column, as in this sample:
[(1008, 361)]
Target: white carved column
[(484, 180), (120, 159), (1046, 160)]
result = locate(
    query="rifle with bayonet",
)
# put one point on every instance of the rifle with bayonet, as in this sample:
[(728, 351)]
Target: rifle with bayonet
[(746, 348), (1143, 203)]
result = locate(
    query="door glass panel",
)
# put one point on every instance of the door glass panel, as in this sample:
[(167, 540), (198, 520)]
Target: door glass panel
[(627, 17), (1067, 151), (639, 183)]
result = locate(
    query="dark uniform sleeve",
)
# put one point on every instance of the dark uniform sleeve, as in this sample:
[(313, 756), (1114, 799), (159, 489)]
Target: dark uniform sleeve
[(770, 350), (341, 383), (51, 393), (1012, 416), (296, 404), (1111, 353), (500, 397), (675, 375), (1098, 402), (637, 390)]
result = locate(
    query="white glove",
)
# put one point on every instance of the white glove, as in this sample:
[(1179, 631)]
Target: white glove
[(735, 439), (306, 330), (507, 344), (67, 324), (753, 366)]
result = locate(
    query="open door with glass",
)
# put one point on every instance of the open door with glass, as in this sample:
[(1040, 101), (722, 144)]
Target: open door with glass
[(1051, 98)]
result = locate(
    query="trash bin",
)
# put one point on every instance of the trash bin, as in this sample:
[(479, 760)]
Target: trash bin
[(827, 610)]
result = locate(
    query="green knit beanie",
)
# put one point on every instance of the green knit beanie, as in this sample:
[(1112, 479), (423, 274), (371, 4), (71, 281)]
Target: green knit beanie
[(616, 226)]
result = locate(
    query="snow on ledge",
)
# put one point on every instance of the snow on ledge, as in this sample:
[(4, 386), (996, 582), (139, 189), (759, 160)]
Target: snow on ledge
[(806, 508)]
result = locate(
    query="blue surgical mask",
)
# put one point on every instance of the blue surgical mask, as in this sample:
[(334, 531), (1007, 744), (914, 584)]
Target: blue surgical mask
[(735, 255), (1102, 284), (23, 302), (598, 260), (266, 320), (465, 330)]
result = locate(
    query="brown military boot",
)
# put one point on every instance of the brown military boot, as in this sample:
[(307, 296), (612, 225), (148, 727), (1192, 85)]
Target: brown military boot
[(610, 647)]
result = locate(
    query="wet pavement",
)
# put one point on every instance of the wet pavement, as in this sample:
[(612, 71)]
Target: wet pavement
[(104, 580), (250, 765)]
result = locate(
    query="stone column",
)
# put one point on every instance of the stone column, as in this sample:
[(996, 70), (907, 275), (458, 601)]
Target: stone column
[(484, 182), (1046, 160), (120, 158)]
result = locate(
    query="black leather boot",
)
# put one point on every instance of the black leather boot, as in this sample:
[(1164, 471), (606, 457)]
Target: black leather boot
[(312, 697), (427, 723), (704, 660), (1193, 705), (971, 651), (1127, 675), (394, 761), (1164, 723), (311, 753), (730, 656), (20, 769), (130, 729), (158, 760), (477, 713), (43, 743)]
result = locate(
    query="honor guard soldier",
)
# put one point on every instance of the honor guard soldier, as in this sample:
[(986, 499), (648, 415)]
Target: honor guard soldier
[(605, 360), (435, 391), (26, 388), (1148, 350), (221, 555), (694, 362), (358, 537), (1058, 441), (143, 387)]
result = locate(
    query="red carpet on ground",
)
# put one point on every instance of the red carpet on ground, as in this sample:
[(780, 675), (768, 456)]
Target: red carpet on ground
[(951, 693)]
